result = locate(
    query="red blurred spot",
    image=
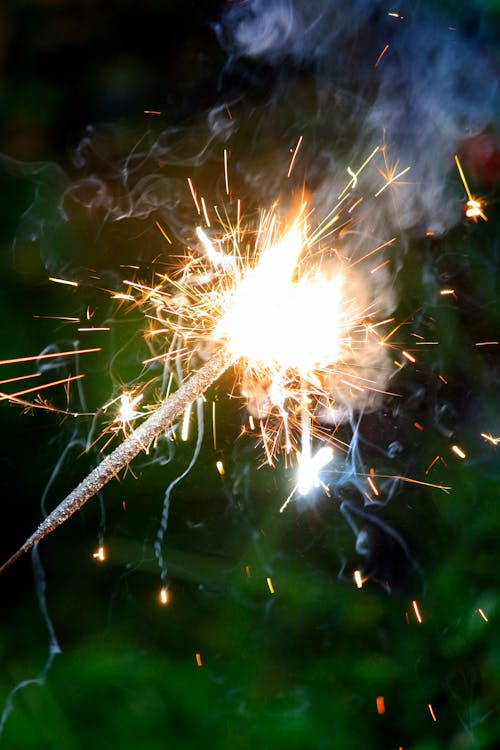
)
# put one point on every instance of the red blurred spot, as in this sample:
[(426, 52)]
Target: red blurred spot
[(480, 156)]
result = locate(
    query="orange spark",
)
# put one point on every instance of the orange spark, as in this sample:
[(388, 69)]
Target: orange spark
[(381, 55), (380, 704), (163, 232), (193, 193), (474, 206), (51, 355)]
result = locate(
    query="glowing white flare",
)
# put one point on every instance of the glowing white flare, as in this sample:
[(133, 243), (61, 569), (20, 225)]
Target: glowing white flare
[(276, 321), (310, 467)]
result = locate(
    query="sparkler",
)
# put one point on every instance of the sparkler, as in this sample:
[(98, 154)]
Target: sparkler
[(266, 310)]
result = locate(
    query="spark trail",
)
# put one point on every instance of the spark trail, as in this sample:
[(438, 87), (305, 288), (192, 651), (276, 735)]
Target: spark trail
[(264, 309), (137, 441)]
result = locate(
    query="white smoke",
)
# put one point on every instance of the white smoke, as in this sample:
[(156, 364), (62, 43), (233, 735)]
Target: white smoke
[(431, 88)]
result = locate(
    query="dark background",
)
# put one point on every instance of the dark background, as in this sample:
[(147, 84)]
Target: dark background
[(302, 668)]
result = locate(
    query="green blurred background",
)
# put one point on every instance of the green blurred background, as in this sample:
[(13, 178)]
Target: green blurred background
[(302, 667)]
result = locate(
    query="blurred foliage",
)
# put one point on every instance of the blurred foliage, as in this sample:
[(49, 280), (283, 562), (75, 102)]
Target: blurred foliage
[(302, 667)]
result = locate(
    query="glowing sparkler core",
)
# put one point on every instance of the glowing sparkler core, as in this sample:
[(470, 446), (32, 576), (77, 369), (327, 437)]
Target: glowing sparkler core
[(277, 322)]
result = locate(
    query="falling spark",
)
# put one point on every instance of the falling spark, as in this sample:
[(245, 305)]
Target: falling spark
[(417, 612), (358, 580), (458, 451), (381, 55), (296, 150), (270, 584), (185, 423), (480, 611), (164, 595), (473, 207), (431, 711), (198, 660), (380, 704), (373, 486), (220, 468), (226, 173), (193, 193), (99, 554)]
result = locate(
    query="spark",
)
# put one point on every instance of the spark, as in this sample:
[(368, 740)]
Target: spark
[(99, 554), (474, 206), (127, 411), (185, 423), (63, 281), (380, 704), (487, 343), (358, 579), (198, 660), (381, 55), (270, 585), (57, 317), (214, 427), (373, 486), (93, 329), (458, 451), (295, 152), (220, 468), (36, 388), (409, 357), (310, 467), (163, 232), (480, 611), (416, 609), (491, 438), (164, 595), (226, 173), (20, 377), (49, 355), (193, 193), (433, 462), (431, 711), (391, 180), (205, 212)]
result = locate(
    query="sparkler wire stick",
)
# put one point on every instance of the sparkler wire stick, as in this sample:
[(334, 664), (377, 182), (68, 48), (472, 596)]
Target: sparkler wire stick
[(137, 441)]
